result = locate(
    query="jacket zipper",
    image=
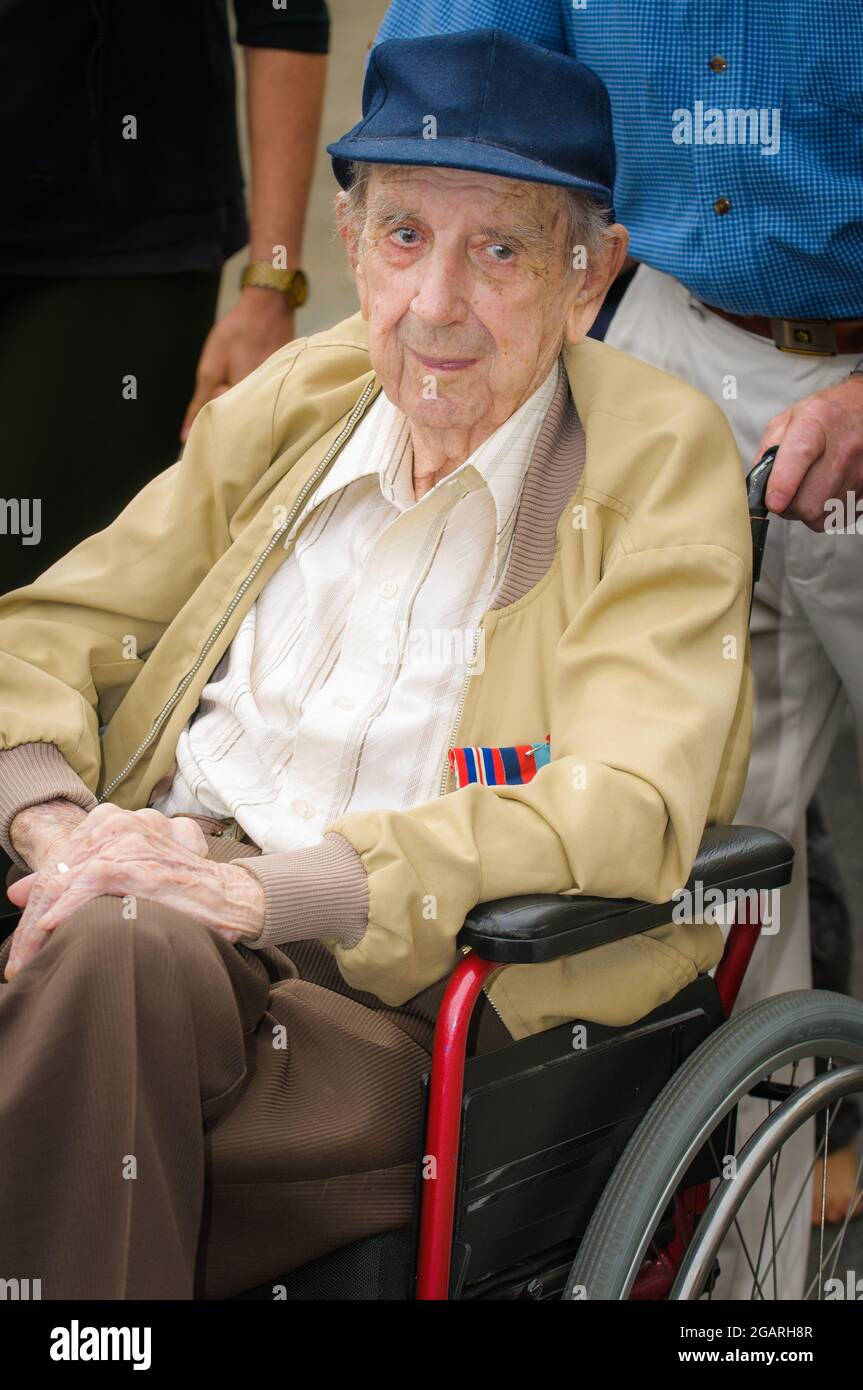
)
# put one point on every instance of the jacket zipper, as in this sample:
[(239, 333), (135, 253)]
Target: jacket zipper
[(458, 710), (277, 535), (453, 735)]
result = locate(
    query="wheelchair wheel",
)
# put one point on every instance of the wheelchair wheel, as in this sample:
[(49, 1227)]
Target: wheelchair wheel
[(762, 1059)]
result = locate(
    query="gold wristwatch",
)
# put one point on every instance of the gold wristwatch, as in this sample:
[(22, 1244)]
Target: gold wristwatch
[(293, 284)]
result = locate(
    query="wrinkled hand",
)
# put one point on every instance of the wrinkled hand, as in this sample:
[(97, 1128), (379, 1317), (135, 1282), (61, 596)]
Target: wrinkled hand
[(821, 455), (259, 324), (137, 854), (36, 829)]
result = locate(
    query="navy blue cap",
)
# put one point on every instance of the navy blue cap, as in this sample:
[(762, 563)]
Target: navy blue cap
[(501, 106)]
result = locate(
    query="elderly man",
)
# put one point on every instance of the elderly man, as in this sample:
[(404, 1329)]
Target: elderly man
[(444, 604)]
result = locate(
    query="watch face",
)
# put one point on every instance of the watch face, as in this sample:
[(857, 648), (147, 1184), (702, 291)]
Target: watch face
[(300, 287)]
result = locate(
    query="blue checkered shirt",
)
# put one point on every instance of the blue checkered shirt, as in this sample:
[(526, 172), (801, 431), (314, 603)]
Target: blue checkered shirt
[(790, 240)]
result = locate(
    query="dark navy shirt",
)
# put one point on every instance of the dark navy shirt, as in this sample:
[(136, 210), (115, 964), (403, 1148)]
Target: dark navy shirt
[(78, 198)]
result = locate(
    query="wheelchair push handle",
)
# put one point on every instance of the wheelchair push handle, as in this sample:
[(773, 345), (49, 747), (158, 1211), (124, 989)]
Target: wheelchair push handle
[(759, 517)]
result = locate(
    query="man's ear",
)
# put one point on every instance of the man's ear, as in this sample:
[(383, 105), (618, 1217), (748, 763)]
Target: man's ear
[(598, 278), (346, 232), (340, 208)]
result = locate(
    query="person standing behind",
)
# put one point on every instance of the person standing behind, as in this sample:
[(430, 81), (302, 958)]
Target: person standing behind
[(124, 198), (740, 181)]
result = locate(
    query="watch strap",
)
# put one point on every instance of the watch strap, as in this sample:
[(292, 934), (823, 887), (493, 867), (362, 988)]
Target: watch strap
[(266, 276)]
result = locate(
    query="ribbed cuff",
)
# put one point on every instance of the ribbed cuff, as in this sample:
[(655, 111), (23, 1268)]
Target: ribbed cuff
[(316, 893), (30, 774)]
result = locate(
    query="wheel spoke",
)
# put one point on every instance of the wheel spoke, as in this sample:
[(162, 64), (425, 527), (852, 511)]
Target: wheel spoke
[(821, 1152), (744, 1054), (824, 1161), (770, 1213), (800, 1191), (757, 1163), (743, 1246), (839, 1238)]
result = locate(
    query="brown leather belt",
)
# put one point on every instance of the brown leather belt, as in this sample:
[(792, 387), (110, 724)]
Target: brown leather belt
[(810, 337)]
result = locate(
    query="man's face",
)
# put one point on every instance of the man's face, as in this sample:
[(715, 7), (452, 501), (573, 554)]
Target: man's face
[(466, 285)]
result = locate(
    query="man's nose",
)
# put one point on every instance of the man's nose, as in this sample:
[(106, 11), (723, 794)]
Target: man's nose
[(440, 295)]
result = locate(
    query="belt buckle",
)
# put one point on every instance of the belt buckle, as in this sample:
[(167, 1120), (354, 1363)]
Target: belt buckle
[(807, 337), (230, 829)]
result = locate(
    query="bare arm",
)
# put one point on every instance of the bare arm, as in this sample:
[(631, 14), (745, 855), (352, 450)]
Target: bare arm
[(285, 97)]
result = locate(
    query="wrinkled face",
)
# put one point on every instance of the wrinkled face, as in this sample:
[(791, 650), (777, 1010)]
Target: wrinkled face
[(466, 283)]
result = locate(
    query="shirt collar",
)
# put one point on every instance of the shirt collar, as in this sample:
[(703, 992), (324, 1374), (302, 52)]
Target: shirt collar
[(381, 446)]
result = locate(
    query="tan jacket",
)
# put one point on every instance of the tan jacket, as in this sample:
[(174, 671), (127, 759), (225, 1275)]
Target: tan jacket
[(621, 630)]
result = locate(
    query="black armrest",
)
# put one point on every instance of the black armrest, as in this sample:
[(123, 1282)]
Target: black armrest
[(544, 926)]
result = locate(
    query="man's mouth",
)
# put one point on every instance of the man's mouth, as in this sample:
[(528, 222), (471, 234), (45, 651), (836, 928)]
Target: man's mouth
[(445, 364)]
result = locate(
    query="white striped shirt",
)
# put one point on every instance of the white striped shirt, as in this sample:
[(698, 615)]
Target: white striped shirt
[(339, 689)]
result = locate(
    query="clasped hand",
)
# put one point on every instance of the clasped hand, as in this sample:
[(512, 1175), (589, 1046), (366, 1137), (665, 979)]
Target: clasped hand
[(135, 855)]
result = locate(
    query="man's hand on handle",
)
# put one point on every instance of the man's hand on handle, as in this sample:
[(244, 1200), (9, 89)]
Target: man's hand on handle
[(821, 455), (78, 856)]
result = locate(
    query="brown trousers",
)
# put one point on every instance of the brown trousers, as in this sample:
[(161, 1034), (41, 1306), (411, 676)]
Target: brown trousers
[(181, 1117)]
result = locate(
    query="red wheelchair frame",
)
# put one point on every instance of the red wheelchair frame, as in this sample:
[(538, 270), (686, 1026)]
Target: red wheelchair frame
[(443, 1128)]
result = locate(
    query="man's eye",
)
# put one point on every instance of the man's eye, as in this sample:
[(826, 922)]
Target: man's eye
[(407, 232), (501, 253)]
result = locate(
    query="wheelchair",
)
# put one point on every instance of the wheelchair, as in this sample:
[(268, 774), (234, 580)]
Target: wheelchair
[(552, 1170)]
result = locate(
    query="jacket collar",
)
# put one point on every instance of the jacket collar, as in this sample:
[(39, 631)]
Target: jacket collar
[(553, 475)]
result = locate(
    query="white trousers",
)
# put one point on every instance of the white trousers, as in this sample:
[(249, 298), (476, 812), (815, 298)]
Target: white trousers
[(807, 661)]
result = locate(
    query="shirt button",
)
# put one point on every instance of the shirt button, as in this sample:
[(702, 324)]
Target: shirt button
[(718, 63), (388, 588), (302, 809), (722, 205), (343, 702)]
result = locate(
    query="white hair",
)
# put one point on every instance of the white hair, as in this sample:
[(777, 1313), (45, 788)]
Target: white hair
[(587, 218)]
